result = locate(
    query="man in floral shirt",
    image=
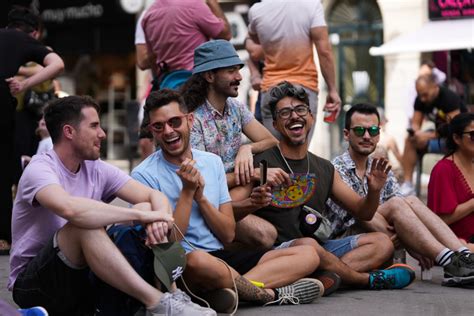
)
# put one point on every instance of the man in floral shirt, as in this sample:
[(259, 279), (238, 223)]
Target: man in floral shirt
[(406, 220)]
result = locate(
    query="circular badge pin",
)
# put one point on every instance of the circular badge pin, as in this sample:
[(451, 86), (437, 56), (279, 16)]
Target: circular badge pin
[(310, 219)]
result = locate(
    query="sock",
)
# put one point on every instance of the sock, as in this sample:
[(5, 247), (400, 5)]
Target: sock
[(444, 257), (464, 250)]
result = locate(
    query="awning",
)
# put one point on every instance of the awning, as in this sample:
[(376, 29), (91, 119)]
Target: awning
[(432, 36)]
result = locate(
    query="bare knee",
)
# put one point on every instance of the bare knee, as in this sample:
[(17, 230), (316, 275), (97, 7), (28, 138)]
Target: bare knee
[(256, 232), (308, 255), (381, 244)]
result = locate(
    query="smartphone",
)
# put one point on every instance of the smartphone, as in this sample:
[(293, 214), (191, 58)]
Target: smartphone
[(263, 172), (410, 131)]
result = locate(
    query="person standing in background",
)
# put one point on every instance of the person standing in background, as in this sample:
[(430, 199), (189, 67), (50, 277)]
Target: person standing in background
[(287, 31)]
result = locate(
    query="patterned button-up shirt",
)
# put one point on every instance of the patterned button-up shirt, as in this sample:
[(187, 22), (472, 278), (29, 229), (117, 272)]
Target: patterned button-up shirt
[(341, 219), (218, 133)]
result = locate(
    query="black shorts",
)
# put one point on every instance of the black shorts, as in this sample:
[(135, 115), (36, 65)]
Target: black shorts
[(241, 260), (50, 282)]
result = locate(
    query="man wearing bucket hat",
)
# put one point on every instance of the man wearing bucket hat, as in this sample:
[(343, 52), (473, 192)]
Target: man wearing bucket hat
[(59, 217), (219, 119), (195, 183)]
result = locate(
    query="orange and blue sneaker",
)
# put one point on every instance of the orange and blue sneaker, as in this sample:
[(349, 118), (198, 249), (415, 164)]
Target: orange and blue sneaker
[(397, 276)]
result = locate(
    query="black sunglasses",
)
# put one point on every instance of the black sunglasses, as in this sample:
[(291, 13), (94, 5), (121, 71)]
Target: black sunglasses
[(300, 109), (174, 122), (360, 131), (471, 135)]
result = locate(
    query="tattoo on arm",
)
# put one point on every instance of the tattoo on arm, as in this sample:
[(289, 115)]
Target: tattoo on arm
[(251, 293)]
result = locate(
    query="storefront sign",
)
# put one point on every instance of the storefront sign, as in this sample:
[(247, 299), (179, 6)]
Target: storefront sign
[(450, 9)]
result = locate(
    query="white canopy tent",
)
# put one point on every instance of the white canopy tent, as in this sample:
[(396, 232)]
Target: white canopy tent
[(432, 36)]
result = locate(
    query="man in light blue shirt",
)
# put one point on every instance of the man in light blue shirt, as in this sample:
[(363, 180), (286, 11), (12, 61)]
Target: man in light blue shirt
[(195, 183)]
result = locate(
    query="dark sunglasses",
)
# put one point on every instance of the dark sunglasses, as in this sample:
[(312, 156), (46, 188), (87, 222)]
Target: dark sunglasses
[(300, 110), (174, 122), (471, 135), (360, 131)]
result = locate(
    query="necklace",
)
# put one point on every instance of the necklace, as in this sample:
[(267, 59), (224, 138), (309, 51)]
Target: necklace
[(288, 165)]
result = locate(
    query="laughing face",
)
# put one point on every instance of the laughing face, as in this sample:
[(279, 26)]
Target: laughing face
[(293, 120), (172, 131)]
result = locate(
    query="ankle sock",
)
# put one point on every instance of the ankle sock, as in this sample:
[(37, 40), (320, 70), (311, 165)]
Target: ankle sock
[(464, 250), (444, 257)]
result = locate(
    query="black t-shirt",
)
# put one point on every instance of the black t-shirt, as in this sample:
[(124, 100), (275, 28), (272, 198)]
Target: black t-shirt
[(446, 101), (16, 49), (286, 220)]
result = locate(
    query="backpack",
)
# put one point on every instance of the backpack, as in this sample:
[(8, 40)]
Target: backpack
[(131, 242)]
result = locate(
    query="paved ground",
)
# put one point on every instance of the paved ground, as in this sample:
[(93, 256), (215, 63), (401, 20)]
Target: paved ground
[(420, 298)]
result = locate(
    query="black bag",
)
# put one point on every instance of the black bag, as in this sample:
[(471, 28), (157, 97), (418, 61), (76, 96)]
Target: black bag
[(34, 102), (314, 224)]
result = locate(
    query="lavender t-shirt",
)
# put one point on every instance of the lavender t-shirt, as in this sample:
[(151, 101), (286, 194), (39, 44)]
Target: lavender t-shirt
[(33, 225)]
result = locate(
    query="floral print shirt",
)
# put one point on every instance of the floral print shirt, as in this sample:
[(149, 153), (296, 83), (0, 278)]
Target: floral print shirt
[(218, 133), (342, 220)]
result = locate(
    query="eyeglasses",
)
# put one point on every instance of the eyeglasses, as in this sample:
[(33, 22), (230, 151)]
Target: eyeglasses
[(360, 131), (174, 122), (300, 110), (471, 135)]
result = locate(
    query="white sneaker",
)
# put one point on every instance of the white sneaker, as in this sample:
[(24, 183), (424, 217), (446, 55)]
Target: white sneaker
[(407, 189), (303, 291), (178, 305)]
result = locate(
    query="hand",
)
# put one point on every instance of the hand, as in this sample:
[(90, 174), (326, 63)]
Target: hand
[(198, 195), (243, 170), (189, 175), (378, 174), (333, 103), (261, 196), (277, 176), (157, 233), (425, 263), (256, 82), (16, 86)]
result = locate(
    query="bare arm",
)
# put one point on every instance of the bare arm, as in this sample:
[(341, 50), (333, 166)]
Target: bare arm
[(363, 208), (216, 9), (417, 120), (256, 54), (29, 71), (261, 139), (88, 213), (461, 211), (54, 65), (145, 59), (319, 36)]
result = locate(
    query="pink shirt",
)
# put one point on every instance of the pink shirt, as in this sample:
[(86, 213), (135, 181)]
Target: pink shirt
[(446, 190), (174, 28), (33, 225)]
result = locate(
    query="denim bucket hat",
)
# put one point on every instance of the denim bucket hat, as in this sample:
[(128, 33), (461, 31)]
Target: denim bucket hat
[(215, 54)]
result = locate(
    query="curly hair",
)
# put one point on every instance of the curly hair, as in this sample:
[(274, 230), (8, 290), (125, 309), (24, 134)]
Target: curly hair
[(194, 91)]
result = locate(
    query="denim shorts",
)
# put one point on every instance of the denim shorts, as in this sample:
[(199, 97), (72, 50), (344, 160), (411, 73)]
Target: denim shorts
[(338, 247), (436, 146), (51, 281)]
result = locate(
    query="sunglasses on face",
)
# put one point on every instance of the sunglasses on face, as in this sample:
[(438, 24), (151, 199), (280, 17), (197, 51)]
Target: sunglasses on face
[(471, 135), (360, 131), (300, 110), (174, 122)]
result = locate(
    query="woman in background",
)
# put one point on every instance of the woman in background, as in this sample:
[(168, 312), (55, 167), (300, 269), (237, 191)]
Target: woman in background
[(451, 186)]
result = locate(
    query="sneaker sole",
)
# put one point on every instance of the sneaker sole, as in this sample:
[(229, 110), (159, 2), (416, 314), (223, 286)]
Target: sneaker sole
[(331, 281), (458, 281)]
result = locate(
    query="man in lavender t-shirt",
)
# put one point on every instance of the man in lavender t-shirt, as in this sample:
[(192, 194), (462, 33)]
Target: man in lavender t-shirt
[(60, 213)]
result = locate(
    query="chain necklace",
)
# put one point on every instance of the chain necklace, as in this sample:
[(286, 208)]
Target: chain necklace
[(288, 165)]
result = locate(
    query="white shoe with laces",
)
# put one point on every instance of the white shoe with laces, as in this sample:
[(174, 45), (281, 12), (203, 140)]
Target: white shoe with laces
[(178, 304)]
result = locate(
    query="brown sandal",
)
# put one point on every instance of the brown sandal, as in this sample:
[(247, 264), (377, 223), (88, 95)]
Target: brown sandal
[(4, 247)]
